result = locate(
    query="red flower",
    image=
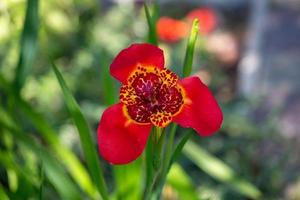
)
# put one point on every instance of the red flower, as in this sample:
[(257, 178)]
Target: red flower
[(151, 95), (171, 30), (207, 19)]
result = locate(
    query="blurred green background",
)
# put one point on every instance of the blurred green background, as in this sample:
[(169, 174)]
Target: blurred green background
[(255, 155)]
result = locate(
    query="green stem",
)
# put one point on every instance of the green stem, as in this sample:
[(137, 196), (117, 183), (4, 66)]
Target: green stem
[(154, 169), (169, 148), (158, 146), (180, 146), (166, 161)]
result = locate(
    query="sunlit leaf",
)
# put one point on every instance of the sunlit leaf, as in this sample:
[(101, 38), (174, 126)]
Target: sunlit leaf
[(3, 194), (128, 180), (181, 182), (219, 170)]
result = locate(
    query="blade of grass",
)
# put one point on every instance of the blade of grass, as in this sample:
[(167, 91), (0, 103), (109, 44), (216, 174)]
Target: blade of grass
[(152, 36), (88, 146), (69, 159), (28, 45), (189, 54), (219, 170)]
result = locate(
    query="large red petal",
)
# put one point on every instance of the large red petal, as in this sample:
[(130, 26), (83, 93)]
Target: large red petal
[(200, 111), (120, 139), (127, 60)]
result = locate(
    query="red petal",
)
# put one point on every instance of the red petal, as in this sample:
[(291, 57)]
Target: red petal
[(120, 139), (127, 60), (200, 111)]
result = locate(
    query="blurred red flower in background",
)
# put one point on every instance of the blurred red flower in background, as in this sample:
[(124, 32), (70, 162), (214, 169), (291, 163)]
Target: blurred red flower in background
[(207, 19), (151, 95), (171, 30)]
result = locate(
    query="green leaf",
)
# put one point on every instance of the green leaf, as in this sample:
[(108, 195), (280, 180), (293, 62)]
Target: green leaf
[(152, 36), (219, 170), (189, 54), (181, 182), (28, 46), (88, 146), (67, 157)]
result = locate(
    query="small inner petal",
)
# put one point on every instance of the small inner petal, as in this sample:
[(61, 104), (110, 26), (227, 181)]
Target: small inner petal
[(168, 77), (139, 112), (161, 119), (127, 95)]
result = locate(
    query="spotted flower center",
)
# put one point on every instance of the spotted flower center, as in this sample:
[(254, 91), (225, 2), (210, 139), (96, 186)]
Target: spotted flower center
[(152, 96)]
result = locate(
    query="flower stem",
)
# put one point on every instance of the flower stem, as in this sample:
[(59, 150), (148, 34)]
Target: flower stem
[(156, 149), (158, 146), (166, 161)]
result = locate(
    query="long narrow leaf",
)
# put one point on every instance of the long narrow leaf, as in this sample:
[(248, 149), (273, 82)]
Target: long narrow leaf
[(152, 36), (189, 54), (88, 146), (219, 170), (28, 46)]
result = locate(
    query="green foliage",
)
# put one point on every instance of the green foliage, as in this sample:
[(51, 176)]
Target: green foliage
[(219, 170), (54, 171), (182, 183)]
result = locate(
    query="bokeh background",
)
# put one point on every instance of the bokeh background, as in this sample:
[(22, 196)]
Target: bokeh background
[(247, 52)]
